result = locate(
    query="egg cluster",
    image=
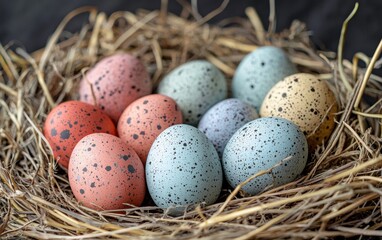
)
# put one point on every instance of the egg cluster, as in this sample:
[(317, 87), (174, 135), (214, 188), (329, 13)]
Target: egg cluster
[(180, 143)]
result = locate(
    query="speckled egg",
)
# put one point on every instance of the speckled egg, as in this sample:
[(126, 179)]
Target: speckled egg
[(105, 173), (144, 119), (195, 86), (221, 121), (70, 121), (258, 72), (183, 168), (115, 82), (305, 100), (260, 145)]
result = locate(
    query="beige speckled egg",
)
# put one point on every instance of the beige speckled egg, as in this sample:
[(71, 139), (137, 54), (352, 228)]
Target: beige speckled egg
[(305, 100)]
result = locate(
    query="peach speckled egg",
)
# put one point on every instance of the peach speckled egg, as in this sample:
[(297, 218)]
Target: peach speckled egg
[(144, 119), (114, 83), (105, 173), (305, 100), (70, 121)]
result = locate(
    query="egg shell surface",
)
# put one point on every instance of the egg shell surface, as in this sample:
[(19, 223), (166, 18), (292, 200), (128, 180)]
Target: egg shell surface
[(308, 102), (69, 122), (183, 168), (105, 173), (195, 86), (260, 145), (144, 119), (222, 120), (258, 72), (116, 81)]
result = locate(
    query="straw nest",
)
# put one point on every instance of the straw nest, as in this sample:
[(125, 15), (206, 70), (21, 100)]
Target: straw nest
[(339, 193)]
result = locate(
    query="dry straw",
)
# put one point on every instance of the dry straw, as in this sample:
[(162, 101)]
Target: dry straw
[(339, 194)]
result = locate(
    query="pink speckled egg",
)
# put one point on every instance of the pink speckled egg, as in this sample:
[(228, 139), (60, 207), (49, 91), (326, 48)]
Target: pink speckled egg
[(114, 83), (144, 119), (70, 121), (105, 173)]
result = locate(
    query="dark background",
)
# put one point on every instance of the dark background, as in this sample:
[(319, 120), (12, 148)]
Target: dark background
[(30, 23)]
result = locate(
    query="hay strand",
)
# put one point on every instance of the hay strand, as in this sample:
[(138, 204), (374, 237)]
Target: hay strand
[(341, 48)]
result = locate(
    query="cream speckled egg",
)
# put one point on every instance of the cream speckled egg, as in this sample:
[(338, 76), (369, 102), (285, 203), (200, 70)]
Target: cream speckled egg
[(305, 100)]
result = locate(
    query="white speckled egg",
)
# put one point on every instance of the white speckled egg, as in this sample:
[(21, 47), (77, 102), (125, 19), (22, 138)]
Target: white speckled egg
[(258, 72), (305, 100), (260, 145), (195, 86), (222, 120), (183, 168)]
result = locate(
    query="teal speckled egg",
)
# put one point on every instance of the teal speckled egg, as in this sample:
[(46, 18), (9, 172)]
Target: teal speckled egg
[(258, 72), (183, 168), (195, 86), (260, 145)]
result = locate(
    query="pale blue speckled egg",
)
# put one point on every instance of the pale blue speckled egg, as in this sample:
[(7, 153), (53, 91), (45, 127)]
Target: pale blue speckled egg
[(222, 120), (195, 86), (183, 168), (260, 145), (258, 72)]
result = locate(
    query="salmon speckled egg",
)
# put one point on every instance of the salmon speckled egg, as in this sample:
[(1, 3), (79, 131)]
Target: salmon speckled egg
[(263, 144), (258, 72), (183, 168), (115, 82), (195, 86), (305, 100), (221, 121), (105, 173), (144, 119), (70, 121)]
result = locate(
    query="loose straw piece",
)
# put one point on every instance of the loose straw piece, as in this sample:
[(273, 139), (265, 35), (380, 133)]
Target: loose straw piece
[(267, 225), (252, 210), (349, 207), (366, 77), (53, 39), (272, 16), (369, 115), (256, 23), (341, 48), (359, 231), (39, 74), (133, 29), (356, 58), (93, 43), (354, 170), (231, 43), (7, 64)]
